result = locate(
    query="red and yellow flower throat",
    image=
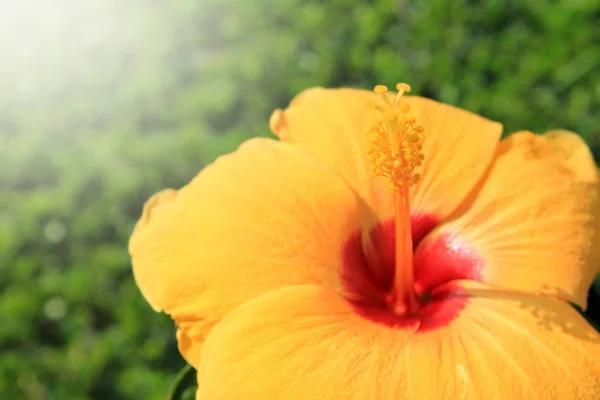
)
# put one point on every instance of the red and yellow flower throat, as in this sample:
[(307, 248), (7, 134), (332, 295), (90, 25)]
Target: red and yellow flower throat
[(382, 274)]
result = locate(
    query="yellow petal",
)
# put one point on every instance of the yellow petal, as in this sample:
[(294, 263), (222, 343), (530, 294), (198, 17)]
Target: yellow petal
[(458, 148), (534, 224), (332, 124), (306, 343), (264, 217)]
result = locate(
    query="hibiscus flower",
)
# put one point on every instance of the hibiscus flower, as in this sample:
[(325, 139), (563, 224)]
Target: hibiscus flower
[(395, 251)]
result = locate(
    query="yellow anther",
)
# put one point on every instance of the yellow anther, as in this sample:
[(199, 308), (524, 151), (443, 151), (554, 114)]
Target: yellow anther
[(395, 141), (380, 89), (412, 138)]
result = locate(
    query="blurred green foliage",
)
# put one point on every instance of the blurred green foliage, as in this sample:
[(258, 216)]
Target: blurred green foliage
[(104, 102)]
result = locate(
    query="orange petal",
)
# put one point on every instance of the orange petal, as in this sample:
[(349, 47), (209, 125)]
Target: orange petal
[(264, 217), (332, 124), (306, 343), (533, 225)]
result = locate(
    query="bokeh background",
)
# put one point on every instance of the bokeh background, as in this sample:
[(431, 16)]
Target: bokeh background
[(104, 102)]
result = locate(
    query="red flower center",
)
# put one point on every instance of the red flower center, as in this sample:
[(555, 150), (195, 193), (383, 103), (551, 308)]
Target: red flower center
[(367, 274)]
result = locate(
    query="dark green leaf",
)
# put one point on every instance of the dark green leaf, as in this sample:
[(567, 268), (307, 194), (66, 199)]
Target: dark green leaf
[(184, 387)]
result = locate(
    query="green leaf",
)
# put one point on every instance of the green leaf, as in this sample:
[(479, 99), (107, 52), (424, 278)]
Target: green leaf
[(592, 314), (184, 387), (596, 285)]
